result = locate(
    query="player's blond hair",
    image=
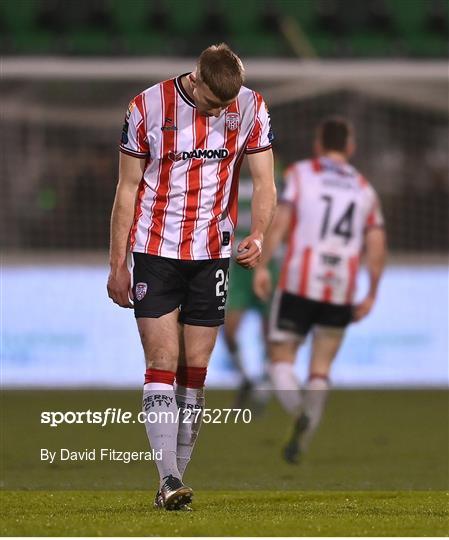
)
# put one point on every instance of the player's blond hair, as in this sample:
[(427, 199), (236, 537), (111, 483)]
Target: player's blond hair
[(222, 71)]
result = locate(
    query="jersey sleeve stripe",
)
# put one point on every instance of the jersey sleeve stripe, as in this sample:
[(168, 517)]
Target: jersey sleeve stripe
[(363, 182), (371, 220), (256, 131), (257, 150), (129, 152), (316, 165), (142, 141)]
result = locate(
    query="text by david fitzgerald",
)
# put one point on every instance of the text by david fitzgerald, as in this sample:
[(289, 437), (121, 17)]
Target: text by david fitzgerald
[(99, 454)]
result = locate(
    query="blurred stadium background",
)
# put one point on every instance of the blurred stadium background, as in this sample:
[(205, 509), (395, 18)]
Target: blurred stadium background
[(69, 70)]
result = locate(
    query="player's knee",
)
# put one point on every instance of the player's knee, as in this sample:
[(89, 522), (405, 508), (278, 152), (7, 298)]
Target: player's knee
[(199, 355), (161, 358), (198, 345), (200, 359), (282, 352)]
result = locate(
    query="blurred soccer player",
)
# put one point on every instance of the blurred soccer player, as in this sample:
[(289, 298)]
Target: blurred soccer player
[(175, 208), (331, 213), (253, 390)]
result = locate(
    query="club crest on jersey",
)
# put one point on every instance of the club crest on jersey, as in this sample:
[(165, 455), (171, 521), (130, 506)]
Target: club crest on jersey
[(232, 121), (199, 153), (141, 290)]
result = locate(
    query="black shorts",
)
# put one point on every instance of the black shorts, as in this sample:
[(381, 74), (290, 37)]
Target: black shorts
[(293, 314), (197, 288)]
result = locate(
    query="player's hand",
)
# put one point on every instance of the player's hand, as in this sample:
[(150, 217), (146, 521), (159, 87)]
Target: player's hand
[(362, 310), (262, 282), (119, 287), (249, 250)]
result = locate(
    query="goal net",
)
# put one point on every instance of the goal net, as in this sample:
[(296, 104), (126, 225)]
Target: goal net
[(62, 120)]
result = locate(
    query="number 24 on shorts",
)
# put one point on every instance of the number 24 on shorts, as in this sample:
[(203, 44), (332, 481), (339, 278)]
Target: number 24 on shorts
[(221, 286)]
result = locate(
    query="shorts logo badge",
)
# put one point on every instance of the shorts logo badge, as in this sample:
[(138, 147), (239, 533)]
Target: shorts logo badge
[(232, 121), (141, 290)]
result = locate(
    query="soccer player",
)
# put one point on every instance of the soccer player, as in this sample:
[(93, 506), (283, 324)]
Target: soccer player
[(331, 213), (175, 209)]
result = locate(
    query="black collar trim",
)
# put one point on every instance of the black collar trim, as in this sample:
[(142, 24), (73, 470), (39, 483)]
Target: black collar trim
[(181, 90)]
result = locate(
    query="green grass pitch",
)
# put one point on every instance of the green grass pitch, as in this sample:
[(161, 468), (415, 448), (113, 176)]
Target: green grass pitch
[(378, 466)]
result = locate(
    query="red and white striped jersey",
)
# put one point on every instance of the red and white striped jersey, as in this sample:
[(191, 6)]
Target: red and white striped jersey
[(333, 205), (187, 200)]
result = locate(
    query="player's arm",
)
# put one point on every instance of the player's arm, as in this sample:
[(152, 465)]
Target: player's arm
[(275, 236), (375, 254), (119, 281), (262, 207)]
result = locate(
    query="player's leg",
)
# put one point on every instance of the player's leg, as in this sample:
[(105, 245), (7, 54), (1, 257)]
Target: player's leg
[(281, 370), (159, 338), (190, 379), (156, 296), (330, 321), (287, 389), (238, 301), (325, 346), (261, 385), (291, 319), (263, 388), (282, 349), (202, 313), (230, 328)]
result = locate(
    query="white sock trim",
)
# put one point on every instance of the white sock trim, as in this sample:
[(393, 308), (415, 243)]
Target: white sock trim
[(157, 386)]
